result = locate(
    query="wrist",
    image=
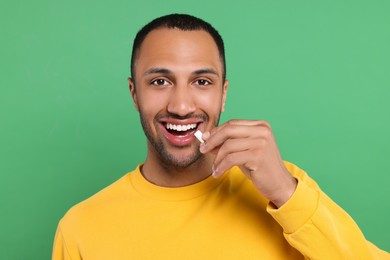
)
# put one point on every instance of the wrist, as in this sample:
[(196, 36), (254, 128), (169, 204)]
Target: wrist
[(285, 192)]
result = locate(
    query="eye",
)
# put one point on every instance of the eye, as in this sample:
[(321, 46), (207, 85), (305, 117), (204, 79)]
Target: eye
[(159, 82), (202, 82)]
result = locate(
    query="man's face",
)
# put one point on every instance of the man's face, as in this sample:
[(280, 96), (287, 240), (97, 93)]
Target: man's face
[(177, 88)]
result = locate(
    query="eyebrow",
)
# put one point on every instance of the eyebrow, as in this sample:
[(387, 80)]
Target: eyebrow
[(157, 71), (205, 71), (169, 72)]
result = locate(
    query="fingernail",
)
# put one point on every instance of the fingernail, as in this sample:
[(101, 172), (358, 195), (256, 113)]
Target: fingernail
[(202, 148), (214, 171), (206, 135)]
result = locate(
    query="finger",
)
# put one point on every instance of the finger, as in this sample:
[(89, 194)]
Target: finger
[(247, 122), (217, 138), (233, 146), (232, 159), (207, 134), (234, 131), (237, 122)]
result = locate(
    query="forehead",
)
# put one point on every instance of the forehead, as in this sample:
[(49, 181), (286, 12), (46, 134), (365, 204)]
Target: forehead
[(175, 48)]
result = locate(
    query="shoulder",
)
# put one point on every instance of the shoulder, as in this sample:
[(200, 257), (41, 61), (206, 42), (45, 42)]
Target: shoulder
[(101, 202)]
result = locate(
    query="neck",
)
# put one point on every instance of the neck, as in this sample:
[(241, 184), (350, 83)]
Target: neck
[(162, 174)]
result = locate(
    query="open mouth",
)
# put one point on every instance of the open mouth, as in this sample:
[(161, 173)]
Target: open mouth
[(181, 130)]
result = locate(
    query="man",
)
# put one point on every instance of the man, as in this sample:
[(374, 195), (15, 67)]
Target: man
[(230, 198)]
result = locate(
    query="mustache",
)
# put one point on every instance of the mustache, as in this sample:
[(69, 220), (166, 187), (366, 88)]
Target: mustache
[(203, 117)]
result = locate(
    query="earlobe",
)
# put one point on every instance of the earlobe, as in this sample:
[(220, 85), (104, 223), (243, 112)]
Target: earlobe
[(133, 92), (224, 93)]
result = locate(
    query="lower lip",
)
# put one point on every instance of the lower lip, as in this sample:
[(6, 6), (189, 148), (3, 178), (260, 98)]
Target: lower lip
[(179, 140)]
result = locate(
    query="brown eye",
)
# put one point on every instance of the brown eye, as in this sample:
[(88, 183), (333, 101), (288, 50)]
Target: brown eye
[(159, 82), (202, 82)]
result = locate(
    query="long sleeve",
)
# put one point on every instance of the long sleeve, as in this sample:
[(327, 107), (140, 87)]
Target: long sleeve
[(318, 228)]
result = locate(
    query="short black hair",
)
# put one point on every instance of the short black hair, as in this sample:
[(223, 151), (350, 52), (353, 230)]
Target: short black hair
[(182, 22)]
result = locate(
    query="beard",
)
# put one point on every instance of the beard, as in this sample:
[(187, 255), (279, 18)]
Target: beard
[(178, 160)]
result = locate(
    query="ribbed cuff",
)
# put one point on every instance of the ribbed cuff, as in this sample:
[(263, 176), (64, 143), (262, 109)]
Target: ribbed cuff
[(297, 210)]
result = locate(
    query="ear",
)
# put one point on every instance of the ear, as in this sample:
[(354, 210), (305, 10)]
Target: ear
[(133, 92), (224, 93)]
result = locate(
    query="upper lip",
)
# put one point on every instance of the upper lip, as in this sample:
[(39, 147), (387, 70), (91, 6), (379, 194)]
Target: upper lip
[(181, 121)]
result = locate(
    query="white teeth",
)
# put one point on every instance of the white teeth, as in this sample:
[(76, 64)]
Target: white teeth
[(180, 127)]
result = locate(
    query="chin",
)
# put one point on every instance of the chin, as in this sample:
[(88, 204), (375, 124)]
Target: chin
[(182, 160)]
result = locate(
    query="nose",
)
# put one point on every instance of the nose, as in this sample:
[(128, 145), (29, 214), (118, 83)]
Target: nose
[(181, 101)]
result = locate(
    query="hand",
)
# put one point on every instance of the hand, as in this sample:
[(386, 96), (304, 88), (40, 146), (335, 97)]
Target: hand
[(251, 146)]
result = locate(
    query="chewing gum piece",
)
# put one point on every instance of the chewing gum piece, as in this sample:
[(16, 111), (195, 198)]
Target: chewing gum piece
[(198, 134)]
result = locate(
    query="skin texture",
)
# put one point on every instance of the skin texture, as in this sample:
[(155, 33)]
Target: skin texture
[(178, 79), (251, 145)]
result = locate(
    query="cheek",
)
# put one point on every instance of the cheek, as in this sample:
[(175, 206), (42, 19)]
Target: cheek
[(153, 99), (150, 104), (209, 101)]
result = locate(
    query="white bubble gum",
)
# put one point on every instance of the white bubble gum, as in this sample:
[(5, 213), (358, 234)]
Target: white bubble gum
[(198, 134)]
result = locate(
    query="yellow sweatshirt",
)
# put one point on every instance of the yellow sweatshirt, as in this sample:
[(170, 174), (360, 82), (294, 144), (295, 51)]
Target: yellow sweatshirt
[(222, 218)]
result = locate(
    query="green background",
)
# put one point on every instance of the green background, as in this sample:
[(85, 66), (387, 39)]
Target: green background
[(318, 71)]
